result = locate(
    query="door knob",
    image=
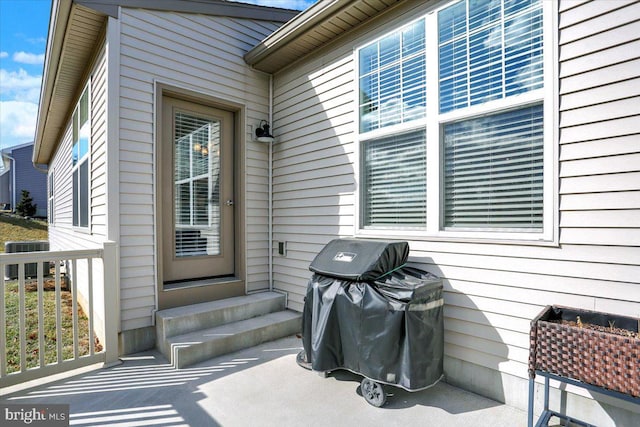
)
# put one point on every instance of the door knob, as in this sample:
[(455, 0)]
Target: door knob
[(229, 203)]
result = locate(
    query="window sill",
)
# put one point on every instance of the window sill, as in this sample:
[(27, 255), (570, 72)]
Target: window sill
[(518, 239), (83, 230)]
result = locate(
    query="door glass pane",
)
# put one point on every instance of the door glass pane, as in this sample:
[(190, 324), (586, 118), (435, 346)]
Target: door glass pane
[(196, 181)]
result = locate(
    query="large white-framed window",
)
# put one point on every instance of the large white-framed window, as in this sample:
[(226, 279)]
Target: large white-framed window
[(80, 160), (455, 124)]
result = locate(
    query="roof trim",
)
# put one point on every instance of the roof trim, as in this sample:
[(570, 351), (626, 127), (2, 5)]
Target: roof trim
[(293, 29), (321, 24), (206, 7), (62, 12), (16, 147)]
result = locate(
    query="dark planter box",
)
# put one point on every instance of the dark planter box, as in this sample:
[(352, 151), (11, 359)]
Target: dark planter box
[(594, 356)]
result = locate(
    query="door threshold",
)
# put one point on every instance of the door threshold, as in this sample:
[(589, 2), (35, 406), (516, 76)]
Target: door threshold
[(211, 281)]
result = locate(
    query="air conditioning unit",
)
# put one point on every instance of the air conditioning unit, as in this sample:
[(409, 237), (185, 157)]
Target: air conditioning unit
[(30, 269)]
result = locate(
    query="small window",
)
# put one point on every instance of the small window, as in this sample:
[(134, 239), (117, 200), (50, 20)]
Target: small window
[(80, 161), (51, 192)]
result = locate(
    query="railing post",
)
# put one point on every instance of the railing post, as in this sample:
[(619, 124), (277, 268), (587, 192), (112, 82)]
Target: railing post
[(111, 301)]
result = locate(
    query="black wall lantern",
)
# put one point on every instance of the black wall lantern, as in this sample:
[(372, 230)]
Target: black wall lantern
[(263, 133)]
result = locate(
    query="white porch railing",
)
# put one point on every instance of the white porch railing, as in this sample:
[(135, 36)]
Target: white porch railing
[(80, 281)]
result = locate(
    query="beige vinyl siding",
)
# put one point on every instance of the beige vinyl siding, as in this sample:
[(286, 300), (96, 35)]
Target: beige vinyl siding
[(62, 234), (202, 54), (61, 229), (314, 178), (492, 290), (599, 124), (99, 149)]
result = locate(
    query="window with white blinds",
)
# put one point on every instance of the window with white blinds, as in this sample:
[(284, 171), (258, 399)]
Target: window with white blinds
[(394, 177), (484, 132), (392, 79), (493, 170), (488, 50), (197, 185)]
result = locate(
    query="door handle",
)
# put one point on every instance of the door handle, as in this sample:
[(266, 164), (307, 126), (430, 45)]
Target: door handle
[(229, 203)]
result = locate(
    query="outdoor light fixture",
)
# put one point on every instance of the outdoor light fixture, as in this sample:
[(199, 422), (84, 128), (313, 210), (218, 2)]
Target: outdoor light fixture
[(262, 132)]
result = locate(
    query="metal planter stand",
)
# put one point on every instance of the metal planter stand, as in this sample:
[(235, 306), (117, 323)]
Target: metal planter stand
[(547, 413), (564, 349)]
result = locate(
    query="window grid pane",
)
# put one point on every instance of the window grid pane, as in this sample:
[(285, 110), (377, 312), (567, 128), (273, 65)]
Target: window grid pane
[(76, 214), (392, 79), (487, 52), (196, 184), (395, 181), (523, 53), (493, 171)]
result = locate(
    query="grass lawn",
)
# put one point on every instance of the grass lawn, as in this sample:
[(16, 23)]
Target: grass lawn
[(50, 327), (18, 229)]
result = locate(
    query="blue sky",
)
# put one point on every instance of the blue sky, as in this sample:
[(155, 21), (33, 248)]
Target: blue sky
[(24, 25), (23, 37)]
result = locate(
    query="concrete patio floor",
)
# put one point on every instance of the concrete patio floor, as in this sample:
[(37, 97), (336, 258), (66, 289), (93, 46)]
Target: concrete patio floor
[(259, 386)]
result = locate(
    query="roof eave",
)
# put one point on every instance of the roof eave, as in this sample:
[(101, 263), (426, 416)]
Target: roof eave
[(59, 18), (222, 8), (293, 29), (62, 11)]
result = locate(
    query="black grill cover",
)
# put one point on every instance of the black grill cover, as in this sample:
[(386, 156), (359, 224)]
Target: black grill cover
[(357, 259), (389, 330)]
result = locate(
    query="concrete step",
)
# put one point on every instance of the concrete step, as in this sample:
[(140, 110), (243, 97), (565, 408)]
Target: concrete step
[(200, 345), (182, 320)]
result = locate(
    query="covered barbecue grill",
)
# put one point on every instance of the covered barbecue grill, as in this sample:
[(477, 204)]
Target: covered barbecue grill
[(367, 312)]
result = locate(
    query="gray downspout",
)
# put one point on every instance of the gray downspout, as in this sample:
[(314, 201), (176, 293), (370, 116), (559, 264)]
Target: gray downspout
[(270, 202), (270, 186)]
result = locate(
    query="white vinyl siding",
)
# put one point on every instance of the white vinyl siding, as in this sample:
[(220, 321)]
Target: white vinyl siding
[(492, 290), (62, 233), (202, 54), (99, 149)]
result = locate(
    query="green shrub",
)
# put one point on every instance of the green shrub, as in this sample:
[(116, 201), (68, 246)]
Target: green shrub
[(26, 207)]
